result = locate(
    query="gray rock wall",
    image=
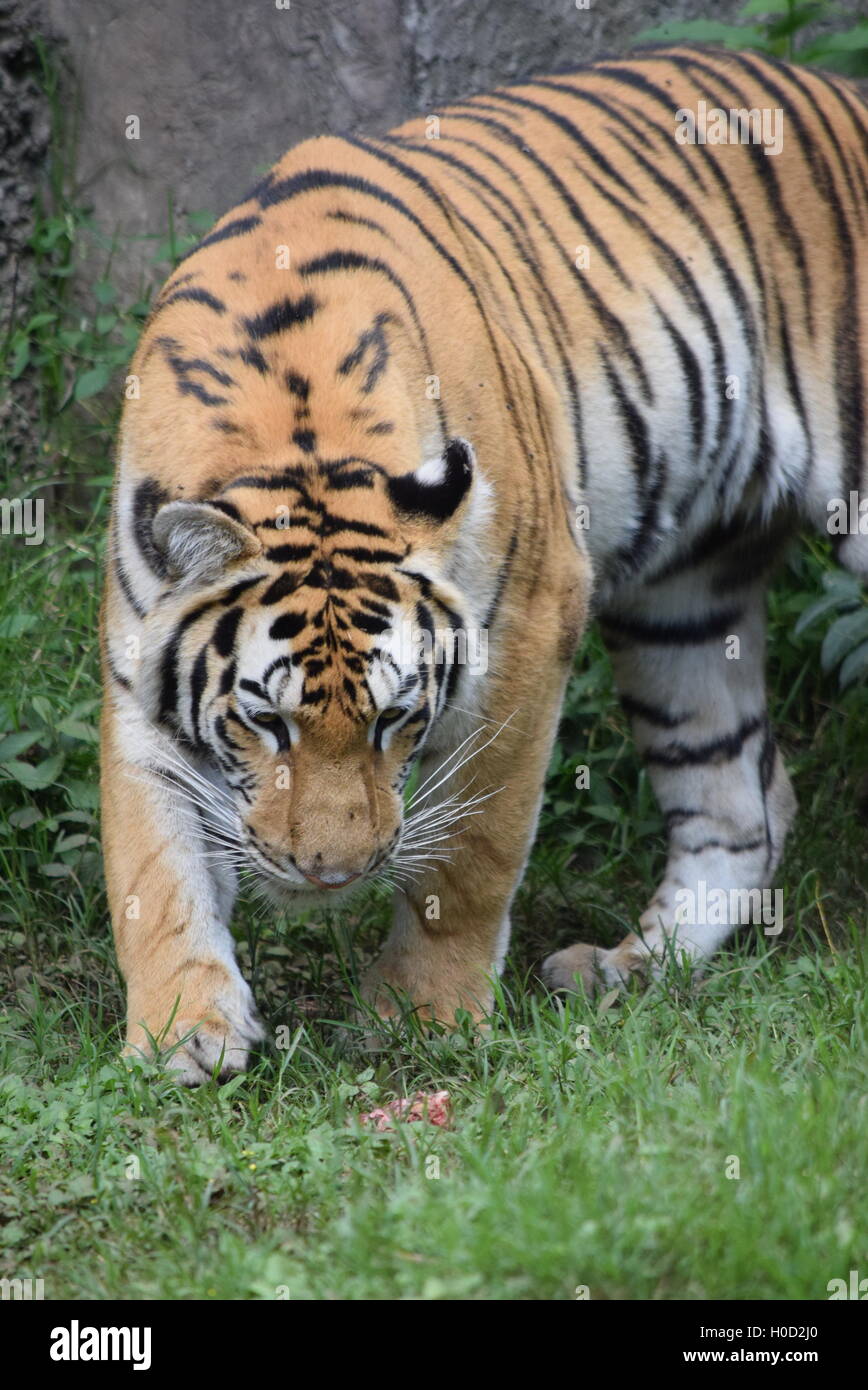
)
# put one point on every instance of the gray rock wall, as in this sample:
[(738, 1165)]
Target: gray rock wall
[(222, 88)]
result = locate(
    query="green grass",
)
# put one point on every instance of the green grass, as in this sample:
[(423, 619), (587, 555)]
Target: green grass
[(566, 1165), (604, 1166), (590, 1145)]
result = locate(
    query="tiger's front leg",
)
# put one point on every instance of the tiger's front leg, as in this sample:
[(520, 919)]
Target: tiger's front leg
[(451, 926), (170, 900)]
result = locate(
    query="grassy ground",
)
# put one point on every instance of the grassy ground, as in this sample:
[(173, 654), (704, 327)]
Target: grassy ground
[(691, 1142)]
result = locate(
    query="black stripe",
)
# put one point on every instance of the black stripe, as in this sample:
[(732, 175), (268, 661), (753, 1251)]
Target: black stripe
[(414, 176), (252, 357), (652, 714), (693, 379), (115, 673), (198, 681), (298, 385), (192, 388), (716, 750), (333, 525), (685, 632), (337, 260), (226, 630), (225, 507), (764, 168), (590, 150), (168, 703), (505, 134), (127, 589), (370, 623), (373, 338), (289, 554), (611, 324), (287, 626), (281, 316), (367, 556), (227, 678), (304, 440), (685, 281), (182, 365), (237, 227), (354, 220), (742, 848), (792, 375), (280, 663), (526, 253), (687, 163), (635, 425), (148, 496), (283, 586), (195, 296)]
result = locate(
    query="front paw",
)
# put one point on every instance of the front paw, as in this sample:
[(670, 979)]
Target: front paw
[(197, 1041)]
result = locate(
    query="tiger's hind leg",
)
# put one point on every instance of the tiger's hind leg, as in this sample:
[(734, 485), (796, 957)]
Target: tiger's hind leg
[(688, 653)]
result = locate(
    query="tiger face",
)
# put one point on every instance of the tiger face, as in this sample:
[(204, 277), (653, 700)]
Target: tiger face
[(306, 644)]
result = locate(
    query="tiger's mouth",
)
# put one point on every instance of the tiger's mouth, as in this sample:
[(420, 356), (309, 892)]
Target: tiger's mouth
[(288, 884)]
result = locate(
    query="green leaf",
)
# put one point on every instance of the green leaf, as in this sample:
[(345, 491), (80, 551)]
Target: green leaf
[(847, 41), (91, 382), (20, 358), (608, 813), (25, 817), (854, 666), (43, 709), (36, 777), (104, 292), (83, 707), (84, 796), (15, 624), (201, 222), (827, 604), (76, 728), (853, 64), (706, 31), (846, 52), (77, 817), (843, 635), (797, 19), (68, 842), (13, 744)]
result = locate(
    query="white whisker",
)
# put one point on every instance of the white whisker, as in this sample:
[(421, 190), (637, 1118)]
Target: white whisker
[(418, 794)]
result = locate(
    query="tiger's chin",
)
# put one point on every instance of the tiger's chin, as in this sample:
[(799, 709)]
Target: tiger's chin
[(285, 894)]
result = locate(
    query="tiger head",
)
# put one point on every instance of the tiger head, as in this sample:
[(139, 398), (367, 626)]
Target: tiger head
[(311, 622)]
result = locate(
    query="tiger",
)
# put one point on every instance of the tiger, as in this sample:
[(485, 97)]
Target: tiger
[(402, 425)]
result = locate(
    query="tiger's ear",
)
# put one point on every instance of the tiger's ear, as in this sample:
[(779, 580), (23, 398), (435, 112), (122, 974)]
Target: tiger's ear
[(435, 491), (199, 541)]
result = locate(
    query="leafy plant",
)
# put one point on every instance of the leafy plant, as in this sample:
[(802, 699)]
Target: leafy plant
[(778, 27), (845, 644)]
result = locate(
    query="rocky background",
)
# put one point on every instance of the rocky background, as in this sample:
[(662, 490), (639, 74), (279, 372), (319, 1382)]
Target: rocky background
[(222, 88)]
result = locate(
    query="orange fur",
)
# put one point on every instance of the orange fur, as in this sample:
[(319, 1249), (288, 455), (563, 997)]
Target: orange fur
[(431, 292)]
